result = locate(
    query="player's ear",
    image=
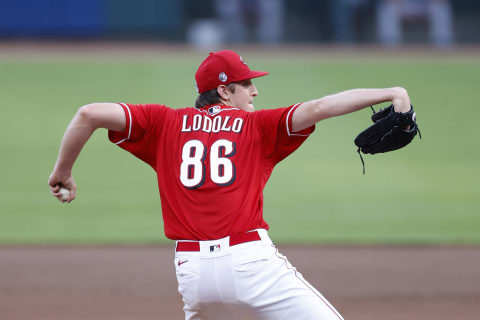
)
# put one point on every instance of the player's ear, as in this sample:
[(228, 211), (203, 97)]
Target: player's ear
[(223, 92)]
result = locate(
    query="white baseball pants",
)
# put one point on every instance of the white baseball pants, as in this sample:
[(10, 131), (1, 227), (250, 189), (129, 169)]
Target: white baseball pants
[(251, 280)]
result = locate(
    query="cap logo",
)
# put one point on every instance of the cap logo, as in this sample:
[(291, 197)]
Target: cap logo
[(243, 61), (222, 77)]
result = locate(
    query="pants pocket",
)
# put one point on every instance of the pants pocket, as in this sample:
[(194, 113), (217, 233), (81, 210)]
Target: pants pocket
[(187, 272), (253, 259)]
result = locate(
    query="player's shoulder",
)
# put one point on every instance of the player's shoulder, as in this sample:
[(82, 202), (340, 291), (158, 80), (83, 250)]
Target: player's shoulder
[(145, 105), (271, 111), (185, 110), (146, 108), (162, 108)]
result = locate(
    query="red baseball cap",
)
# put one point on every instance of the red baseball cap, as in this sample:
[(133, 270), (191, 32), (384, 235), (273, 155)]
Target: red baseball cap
[(223, 67)]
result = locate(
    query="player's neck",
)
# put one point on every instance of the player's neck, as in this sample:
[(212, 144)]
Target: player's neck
[(225, 103)]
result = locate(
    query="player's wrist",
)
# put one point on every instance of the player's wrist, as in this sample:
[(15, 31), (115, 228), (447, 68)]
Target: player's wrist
[(62, 172)]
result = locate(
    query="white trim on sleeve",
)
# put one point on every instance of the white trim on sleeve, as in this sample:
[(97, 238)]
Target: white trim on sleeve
[(288, 129), (130, 126)]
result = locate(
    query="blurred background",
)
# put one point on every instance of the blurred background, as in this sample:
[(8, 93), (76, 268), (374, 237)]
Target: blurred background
[(441, 23)]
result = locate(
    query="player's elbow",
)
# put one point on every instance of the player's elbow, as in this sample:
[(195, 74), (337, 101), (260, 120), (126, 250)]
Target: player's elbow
[(88, 115)]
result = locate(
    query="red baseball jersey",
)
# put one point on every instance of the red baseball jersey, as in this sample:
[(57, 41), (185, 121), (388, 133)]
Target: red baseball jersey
[(212, 163)]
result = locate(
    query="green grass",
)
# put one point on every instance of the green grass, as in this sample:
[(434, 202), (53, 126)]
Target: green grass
[(426, 193)]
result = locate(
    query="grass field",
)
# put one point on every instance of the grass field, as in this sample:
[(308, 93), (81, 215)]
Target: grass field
[(426, 193)]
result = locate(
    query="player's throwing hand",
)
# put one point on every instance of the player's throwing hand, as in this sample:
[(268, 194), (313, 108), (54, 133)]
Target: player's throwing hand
[(59, 183)]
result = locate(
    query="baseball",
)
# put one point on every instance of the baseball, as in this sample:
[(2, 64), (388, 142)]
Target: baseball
[(65, 194)]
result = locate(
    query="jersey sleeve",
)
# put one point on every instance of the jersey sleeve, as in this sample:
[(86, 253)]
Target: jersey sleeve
[(278, 139), (142, 130)]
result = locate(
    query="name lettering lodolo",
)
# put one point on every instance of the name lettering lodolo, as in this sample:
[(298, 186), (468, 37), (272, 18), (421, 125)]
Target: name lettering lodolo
[(206, 124)]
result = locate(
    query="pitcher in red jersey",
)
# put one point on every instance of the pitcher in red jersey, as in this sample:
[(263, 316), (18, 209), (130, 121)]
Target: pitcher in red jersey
[(212, 163)]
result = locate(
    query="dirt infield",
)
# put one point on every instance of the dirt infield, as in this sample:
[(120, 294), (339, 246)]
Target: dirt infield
[(139, 282)]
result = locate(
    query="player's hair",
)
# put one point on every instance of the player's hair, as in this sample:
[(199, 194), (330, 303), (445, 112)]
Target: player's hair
[(212, 96)]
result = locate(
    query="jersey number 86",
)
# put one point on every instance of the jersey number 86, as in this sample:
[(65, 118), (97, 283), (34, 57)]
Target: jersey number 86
[(222, 169)]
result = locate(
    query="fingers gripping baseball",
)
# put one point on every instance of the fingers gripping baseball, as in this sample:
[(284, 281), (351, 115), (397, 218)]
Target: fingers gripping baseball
[(63, 188)]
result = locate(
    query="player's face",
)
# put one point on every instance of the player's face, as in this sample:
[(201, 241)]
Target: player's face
[(243, 96)]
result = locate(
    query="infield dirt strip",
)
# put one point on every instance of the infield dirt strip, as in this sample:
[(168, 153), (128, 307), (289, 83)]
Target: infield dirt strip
[(139, 282)]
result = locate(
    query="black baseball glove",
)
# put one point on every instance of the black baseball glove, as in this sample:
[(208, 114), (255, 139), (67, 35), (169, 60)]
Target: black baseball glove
[(390, 131)]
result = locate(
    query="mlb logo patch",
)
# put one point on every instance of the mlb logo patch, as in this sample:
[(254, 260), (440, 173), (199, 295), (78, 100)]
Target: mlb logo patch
[(215, 248), (222, 76), (214, 110)]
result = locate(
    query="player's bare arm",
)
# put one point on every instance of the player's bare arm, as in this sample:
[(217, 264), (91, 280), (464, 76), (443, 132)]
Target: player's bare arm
[(87, 119), (345, 102)]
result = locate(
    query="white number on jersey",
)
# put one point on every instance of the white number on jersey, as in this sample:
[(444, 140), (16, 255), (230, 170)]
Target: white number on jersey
[(192, 169), (222, 169)]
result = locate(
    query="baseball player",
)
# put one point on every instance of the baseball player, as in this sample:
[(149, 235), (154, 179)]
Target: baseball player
[(212, 162)]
